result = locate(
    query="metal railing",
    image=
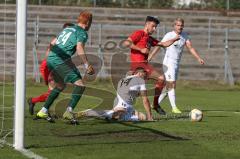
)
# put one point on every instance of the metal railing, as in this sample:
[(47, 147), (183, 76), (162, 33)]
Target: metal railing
[(100, 34)]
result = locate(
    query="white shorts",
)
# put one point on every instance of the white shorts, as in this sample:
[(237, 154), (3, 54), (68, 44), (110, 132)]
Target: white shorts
[(170, 68), (129, 115)]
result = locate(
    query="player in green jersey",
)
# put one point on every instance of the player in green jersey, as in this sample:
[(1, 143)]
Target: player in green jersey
[(72, 39)]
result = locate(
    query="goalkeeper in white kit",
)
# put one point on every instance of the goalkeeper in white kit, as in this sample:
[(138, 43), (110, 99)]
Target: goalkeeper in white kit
[(129, 88)]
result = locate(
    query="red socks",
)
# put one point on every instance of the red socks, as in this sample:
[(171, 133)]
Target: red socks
[(158, 89), (42, 98)]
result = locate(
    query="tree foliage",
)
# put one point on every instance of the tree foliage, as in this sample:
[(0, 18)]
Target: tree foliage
[(201, 4)]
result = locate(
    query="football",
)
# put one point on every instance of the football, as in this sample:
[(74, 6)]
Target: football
[(196, 115)]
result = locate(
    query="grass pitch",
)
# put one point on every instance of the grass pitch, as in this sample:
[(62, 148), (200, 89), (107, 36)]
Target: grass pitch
[(172, 137)]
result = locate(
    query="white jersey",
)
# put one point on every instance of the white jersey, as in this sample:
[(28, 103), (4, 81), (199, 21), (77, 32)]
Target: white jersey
[(174, 52), (173, 55), (128, 90)]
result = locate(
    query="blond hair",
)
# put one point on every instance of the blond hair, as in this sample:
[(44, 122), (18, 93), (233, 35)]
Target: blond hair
[(178, 19)]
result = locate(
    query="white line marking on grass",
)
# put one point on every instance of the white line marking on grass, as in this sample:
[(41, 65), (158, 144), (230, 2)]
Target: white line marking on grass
[(221, 111), (31, 154), (25, 152)]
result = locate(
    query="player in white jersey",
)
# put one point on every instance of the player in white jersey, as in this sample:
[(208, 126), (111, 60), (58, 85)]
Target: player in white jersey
[(129, 88), (172, 59)]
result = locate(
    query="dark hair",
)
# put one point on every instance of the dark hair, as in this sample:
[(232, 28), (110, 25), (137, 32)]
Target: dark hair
[(139, 69), (67, 25), (152, 19)]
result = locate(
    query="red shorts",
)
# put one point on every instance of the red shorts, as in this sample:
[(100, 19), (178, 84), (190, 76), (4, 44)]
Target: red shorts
[(147, 67), (45, 72)]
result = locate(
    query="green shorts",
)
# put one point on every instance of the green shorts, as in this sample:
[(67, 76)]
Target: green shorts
[(66, 72)]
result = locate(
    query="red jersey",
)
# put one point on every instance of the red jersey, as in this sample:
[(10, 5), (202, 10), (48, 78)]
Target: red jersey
[(141, 40), (44, 70)]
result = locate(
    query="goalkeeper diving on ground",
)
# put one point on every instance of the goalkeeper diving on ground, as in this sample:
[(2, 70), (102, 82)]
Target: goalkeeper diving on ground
[(129, 88)]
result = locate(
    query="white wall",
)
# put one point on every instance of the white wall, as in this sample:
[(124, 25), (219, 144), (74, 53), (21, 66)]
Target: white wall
[(186, 2)]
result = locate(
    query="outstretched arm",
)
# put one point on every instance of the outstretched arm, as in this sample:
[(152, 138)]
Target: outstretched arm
[(169, 42), (194, 52), (146, 105), (153, 53), (162, 44)]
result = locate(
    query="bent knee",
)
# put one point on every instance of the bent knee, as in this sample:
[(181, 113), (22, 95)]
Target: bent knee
[(59, 86), (171, 85), (79, 83), (161, 78)]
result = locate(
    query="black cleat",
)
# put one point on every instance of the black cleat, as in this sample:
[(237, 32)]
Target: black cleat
[(31, 106), (70, 116), (159, 110), (47, 117), (50, 119), (74, 122)]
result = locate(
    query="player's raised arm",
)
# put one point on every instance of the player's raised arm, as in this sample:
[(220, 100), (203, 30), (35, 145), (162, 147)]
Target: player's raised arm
[(194, 52), (169, 42), (162, 44)]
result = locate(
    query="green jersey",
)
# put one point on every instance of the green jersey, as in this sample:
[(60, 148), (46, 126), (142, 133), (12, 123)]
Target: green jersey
[(65, 45)]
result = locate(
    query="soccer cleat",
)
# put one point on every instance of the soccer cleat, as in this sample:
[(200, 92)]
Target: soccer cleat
[(159, 110), (70, 116), (50, 119), (74, 122), (176, 111), (46, 116), (31, 106), (41, 115)]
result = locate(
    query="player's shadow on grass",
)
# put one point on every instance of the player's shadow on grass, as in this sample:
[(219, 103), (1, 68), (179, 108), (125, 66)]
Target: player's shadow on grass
[(136, 134), (154, 131)]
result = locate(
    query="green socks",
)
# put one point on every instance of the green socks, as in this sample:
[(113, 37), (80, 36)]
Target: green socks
[(76, 95), (52, 96)]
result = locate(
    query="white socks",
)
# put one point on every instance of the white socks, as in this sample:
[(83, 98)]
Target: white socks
[(161, 97), (172, 98), (69, 109), (44, 110), (108, 114)]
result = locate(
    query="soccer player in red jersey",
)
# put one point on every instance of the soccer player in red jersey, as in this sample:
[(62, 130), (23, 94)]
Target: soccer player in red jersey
[(140, 43), (46, 77)]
